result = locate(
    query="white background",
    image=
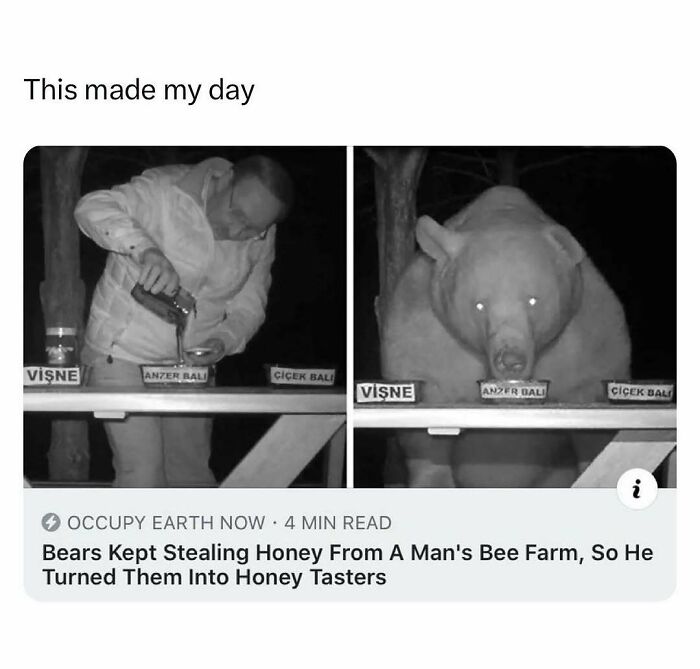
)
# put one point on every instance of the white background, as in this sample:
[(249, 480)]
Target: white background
[(357, 73)]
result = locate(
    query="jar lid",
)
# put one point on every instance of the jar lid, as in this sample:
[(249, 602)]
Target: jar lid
[(61, 331)]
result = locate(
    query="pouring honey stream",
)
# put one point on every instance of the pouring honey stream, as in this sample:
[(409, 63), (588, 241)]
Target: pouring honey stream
[(173, 309)]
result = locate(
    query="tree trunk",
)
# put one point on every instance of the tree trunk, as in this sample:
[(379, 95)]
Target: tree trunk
[(62, 292), (396, 176)]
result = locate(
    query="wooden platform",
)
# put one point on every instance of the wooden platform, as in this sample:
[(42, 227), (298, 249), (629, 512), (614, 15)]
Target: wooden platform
[(646, 434), (309, 421)]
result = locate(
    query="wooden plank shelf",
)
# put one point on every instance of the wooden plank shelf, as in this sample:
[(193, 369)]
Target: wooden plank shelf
[(176, 400), (310, 419), (519, 417)]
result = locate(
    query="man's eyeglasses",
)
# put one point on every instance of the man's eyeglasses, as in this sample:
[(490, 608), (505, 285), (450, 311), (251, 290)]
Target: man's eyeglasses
[(249, 231), (261, 235)]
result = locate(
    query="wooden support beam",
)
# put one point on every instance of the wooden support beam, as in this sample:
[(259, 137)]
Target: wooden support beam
[(333, 465), (645, 449), (284, 450), (670, 471), (396, 175), (62, 292)]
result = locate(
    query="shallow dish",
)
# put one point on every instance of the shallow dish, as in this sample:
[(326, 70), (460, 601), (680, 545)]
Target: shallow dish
[(199, 352)]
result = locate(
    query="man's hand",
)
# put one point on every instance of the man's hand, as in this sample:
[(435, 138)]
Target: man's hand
[(157, 273), (210, 358)]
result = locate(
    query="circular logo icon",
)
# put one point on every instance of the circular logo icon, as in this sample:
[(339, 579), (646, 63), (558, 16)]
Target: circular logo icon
[(50, 522), (637, 488)]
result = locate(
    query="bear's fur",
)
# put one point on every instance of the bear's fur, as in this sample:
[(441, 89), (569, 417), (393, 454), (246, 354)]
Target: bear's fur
[(502, 291)]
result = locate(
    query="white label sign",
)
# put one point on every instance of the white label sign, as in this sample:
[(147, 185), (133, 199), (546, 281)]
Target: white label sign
[(640, 392), (169, 375), (297, 376), (382, 392), (40, 375), (506, 390)]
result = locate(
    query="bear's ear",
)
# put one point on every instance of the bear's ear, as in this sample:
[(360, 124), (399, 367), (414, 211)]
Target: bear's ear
[(565, 243), (437, 241)]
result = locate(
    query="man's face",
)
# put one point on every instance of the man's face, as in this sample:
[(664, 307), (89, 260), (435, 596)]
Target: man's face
[(244, 212)]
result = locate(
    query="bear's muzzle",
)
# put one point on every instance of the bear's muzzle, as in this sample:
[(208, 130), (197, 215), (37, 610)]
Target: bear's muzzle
[(510, 363)]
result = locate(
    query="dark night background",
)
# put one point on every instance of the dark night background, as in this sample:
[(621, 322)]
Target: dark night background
[(306, 312), (620, 203)]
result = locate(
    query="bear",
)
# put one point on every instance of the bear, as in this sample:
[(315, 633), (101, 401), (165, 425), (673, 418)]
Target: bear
[(501, 291)]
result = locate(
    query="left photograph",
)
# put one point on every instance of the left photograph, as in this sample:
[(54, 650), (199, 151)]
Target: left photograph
[(184, 317)]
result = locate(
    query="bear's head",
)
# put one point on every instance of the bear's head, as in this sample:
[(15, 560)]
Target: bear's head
[(505, 289)]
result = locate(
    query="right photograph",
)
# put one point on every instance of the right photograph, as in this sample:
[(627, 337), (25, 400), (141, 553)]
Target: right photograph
[(515, 317)]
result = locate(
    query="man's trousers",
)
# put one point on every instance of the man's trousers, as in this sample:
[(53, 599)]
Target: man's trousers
[(152, 451)]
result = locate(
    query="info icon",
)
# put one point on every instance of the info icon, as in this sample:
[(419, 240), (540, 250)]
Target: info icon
[(637, 488)]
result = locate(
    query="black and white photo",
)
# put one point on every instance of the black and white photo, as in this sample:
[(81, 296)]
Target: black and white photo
[(531, 275), (183, 268)]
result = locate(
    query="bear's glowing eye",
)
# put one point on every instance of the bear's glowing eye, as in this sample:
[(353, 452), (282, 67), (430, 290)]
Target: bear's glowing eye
[(479, 306), (532, 301)]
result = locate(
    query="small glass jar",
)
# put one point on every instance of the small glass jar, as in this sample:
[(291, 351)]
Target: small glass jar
[(61, 347)]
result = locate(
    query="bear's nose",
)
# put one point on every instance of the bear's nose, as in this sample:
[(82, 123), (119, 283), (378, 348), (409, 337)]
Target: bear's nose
[(510, 361)]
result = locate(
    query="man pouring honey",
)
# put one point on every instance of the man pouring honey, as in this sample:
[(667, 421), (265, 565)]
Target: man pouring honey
[(199, 237)]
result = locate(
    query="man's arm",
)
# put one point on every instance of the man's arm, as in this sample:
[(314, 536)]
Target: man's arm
[(112, 219)]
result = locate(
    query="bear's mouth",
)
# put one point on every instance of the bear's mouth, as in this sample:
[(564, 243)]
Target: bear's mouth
[(510, 363)]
